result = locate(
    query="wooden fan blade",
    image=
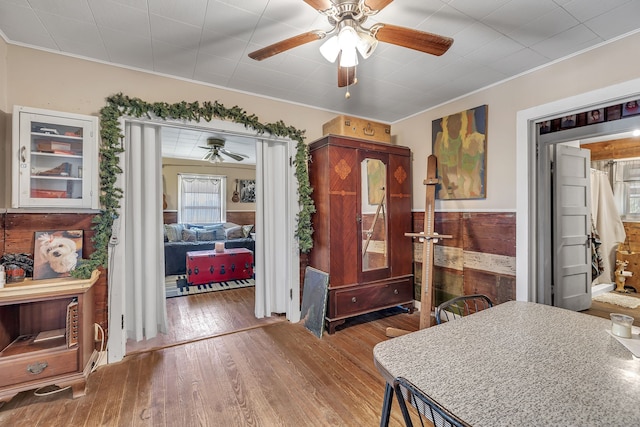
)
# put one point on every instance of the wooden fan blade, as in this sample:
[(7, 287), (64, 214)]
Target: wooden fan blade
[(377, 5), (290, 43), (346, 76), (320, 5), (412, 39)]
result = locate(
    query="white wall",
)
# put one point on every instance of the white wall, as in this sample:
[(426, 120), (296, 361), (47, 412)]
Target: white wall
[(5, 134), (171, 168), (3, 76), (45, 80), (604, 66)]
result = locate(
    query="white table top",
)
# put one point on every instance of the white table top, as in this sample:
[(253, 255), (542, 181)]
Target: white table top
[(521, 364)]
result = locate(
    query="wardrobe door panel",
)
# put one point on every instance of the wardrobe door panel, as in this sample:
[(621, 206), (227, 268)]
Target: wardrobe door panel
[(399, 221), (344, 189)]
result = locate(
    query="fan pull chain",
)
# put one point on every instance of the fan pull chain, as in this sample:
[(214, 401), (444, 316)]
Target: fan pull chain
[(347, 95), (355, 81)]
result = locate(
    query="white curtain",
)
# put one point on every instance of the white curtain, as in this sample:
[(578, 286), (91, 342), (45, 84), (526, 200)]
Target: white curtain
[(141, 265), (606, 219), (200, 198), (273, 225)]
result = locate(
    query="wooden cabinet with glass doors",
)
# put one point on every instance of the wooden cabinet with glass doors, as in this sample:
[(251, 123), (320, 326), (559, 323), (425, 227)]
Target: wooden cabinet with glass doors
[(54, 159), (362, 192)]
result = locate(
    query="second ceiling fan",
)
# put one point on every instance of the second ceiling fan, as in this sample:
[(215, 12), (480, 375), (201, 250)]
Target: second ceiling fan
[(216, 148), (348, 36)]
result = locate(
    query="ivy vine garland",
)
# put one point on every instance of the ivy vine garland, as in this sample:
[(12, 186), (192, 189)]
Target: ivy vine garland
[(111, 135)]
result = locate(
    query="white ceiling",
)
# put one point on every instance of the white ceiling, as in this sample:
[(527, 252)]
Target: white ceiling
[(184, 143), (208, 41)]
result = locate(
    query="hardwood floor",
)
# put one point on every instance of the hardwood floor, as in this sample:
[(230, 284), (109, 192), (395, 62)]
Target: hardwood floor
[(205, 315), (264, 374), (602, 309), (226, 368)]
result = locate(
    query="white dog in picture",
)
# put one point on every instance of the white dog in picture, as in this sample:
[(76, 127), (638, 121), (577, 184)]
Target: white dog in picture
[(59, 252)]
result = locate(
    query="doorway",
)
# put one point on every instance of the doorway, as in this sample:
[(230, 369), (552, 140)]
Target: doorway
[(276, 210), (529, 223), (194, 313), (563, 230)]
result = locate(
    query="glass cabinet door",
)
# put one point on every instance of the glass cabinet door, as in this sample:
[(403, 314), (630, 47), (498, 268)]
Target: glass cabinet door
[(374, 215), (54, 153)]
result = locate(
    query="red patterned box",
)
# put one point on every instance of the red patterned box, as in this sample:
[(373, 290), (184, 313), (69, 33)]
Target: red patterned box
[(210, 266)]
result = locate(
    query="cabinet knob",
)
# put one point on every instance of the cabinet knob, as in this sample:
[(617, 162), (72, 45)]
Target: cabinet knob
[(37, 368), (353, 299), (395, 292)]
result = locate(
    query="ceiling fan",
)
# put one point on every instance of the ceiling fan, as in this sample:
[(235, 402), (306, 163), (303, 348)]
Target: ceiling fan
[(348, 36), (216, 148)]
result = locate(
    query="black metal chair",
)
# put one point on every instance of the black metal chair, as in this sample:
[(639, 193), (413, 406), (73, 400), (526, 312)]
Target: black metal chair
[(426, 408), (462, 306)]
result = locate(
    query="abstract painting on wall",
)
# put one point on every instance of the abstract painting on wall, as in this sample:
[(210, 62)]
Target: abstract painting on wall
[(460, 144)]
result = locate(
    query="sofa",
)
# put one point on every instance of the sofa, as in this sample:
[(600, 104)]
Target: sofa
[(182, 238)]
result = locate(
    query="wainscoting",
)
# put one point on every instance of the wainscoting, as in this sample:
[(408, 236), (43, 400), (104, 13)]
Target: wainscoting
[(237, 217), (480, 258)]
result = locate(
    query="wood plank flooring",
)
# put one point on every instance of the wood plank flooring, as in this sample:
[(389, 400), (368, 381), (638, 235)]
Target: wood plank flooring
[(223, 367), (602, 309), (266, 374), (205, 315)]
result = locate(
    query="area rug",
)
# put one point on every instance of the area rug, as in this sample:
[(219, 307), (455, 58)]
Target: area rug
[(618, 299), (173, 290)]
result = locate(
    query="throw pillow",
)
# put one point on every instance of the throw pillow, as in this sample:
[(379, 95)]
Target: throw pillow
[(217, 228), (234, 233), (189, 235), (246, 230), (174, 232), (218, 231), (204, 235)]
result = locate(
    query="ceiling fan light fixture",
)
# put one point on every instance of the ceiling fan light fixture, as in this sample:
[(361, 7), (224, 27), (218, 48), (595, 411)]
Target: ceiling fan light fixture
[(366, 44), (330, 49), (348, 58), (215, 158), (347, 38)]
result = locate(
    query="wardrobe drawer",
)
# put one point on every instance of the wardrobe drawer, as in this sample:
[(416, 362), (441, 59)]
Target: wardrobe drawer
[(369, 297)]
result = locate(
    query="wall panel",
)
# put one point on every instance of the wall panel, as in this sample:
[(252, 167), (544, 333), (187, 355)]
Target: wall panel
[(480, 258)]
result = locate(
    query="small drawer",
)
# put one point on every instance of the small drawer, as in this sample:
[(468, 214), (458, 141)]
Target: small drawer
[(38, 366), (366, 298)]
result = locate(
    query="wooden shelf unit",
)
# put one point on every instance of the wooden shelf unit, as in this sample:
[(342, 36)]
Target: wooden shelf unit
[(31, 307)]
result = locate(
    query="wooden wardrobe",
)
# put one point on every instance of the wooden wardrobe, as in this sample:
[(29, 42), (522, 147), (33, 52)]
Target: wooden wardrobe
[(362, 193)]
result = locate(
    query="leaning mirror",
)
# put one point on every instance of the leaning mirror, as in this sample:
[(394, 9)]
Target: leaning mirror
[(374, 214)]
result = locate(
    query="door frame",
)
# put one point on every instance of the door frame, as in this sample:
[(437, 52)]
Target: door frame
[(528, 221), (116, 343)]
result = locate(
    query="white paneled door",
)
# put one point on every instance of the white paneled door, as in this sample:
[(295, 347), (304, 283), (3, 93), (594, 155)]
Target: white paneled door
[(571, 228)]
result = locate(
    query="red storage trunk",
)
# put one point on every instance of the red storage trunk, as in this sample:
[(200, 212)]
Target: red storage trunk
[(205, 267)]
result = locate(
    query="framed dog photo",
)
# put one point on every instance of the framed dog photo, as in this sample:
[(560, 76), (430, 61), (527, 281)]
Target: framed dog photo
[(56, 253)]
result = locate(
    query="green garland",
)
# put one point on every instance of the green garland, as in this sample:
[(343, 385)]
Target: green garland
[(120, 105)]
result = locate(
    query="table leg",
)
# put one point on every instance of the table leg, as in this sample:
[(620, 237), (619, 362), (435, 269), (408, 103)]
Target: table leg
[(386, 405)]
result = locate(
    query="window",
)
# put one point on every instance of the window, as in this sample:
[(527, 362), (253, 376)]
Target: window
[(631, 189), (202, 198)]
